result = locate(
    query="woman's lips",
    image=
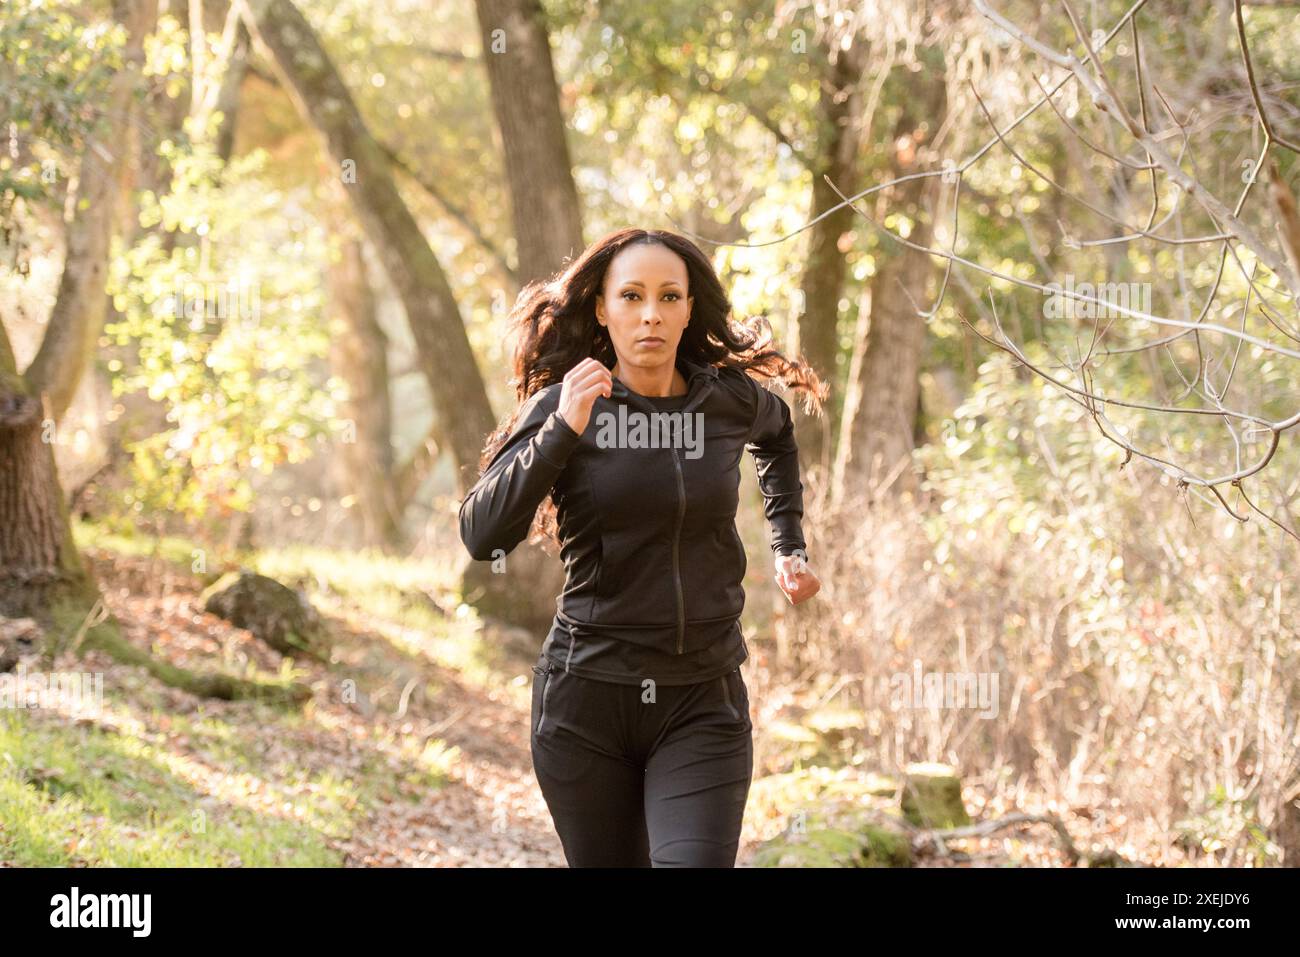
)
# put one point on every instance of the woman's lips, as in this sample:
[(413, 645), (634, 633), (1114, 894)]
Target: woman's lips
[(650, 342)]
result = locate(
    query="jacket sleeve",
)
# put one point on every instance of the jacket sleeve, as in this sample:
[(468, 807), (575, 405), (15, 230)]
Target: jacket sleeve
[(499, 509), (776, 462)]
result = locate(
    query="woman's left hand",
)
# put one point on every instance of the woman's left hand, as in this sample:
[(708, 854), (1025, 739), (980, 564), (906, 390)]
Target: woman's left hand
[(796, 578)]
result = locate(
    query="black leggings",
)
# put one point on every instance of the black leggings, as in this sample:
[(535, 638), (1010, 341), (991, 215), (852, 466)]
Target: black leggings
[(643, 777)]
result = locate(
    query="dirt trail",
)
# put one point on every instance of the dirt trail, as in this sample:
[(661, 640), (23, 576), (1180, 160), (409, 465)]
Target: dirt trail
[(489, 811)]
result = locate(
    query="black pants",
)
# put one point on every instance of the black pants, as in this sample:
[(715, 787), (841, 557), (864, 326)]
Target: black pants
[(643, 776)]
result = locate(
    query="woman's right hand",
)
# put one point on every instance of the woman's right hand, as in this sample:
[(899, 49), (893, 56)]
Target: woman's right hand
[(588, 379)]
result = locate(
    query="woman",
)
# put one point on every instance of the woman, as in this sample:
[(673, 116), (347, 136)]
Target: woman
[(635, 409)]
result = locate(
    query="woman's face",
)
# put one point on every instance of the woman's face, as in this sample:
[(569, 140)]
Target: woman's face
[(644, 305)]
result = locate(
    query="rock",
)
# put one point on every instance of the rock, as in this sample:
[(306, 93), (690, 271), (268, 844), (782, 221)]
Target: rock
[(279, 616), (837, 839), (1108, 858), (840, 728), (785, 795), (835, 818), (874, 785), (827, 737), (18, 637), (932, 797)]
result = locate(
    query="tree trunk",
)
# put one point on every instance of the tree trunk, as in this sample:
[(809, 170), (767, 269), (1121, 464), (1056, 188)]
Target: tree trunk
[(881, 400), (41, 572), (78, 314), (544, 199), (232, 82), (359, 356), (547, 221), (816, 336), (459, 398)]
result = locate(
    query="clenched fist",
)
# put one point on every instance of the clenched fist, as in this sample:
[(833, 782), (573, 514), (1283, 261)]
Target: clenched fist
[(796, 578), (588, 379)]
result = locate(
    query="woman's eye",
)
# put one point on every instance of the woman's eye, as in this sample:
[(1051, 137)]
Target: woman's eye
[(628, 293)]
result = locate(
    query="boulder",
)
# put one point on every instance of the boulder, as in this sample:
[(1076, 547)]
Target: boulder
[(932, 797), (834, 818), (831, 836), (279, 616), (829, 737)]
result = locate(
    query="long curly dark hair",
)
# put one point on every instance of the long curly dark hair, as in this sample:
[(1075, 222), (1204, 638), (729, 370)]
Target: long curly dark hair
[(554, 322)]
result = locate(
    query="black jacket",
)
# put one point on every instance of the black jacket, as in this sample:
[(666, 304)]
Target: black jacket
[(647, 535)]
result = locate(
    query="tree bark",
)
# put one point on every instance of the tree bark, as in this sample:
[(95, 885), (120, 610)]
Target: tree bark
[(459, 397), (41, 572), (816, 335), (359, 356), (79, 308), (881, 400), (547, 221), (526, 101), (232, 81)]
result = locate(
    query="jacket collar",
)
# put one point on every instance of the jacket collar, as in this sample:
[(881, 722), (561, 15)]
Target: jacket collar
[(690, 368), (700, 378)]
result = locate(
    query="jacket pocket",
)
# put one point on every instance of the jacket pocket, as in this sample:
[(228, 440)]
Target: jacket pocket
[(609, 556), (726, 694), (738, 550), (637, 587), (545, 675)]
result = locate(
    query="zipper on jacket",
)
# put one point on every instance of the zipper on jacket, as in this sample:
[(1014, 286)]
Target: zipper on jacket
[(700, 382), (677, 534)]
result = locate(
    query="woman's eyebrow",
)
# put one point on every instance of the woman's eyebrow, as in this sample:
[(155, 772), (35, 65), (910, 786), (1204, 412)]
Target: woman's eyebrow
[(637, 282)]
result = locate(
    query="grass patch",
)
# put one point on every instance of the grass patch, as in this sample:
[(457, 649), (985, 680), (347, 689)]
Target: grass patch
[(85, 796), (246, 784)]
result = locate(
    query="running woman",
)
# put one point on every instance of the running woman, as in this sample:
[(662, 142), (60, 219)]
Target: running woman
[(637, 396)]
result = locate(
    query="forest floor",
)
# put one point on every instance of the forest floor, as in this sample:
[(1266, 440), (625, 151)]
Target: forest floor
[(362, 775), (413, 750)]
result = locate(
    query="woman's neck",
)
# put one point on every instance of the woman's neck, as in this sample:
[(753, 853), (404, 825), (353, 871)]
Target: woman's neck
[(658, 382)]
